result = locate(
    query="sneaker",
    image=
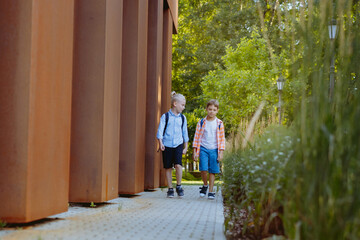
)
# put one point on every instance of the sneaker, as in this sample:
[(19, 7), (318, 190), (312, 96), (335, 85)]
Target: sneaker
[(170, 193), (211, 195), (203, 191), (179, 191)]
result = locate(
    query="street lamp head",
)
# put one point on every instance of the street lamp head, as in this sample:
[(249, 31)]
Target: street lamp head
[(332, 29), (280, 83)]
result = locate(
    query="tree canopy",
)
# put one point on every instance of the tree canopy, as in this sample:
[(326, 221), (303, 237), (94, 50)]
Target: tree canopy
[(235, 51)]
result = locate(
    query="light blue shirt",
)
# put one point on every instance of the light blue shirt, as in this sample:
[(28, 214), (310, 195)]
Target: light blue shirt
[(174, 135)]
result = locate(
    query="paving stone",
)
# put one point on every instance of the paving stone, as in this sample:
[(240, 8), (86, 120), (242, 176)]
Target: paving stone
[(149, 216)]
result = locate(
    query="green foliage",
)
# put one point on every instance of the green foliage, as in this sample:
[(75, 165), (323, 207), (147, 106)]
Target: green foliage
[(322, 198), (243, 45), (192, 119), (205, 29), (92, 205), (189, 177), (2, 224), (243, 83), (235, 51), (252, 178)]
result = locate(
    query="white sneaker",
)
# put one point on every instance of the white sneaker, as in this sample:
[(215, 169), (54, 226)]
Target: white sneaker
[(203, 191), (211, 195)]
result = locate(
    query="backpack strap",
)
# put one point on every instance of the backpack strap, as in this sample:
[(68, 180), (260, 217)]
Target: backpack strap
[(166, 122), (202, 122), (183, 120)]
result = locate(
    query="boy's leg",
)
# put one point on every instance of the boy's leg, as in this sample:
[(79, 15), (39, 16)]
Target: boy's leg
[(204, 164), (178, 163), (204, 177), (168, 174), (213, 169), (211, 181), (167, 162), (178, 169)]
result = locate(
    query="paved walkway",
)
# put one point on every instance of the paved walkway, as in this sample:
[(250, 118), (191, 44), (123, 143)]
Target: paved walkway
[(148, 216)]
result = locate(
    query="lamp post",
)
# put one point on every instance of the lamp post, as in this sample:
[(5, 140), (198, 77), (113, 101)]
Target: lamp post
[(280, 85), (332, 35)]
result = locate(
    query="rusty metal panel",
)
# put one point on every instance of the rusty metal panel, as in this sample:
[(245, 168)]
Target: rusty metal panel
[(153, 94), (15, 26), (166, 72), (111, 138), (35, 79), (96, 101), (133, 97), (173, 6)]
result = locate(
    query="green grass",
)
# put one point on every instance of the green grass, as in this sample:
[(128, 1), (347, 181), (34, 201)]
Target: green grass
[(189, 179), (186, 182)]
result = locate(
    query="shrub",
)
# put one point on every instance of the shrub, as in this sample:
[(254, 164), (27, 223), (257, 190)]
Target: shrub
[(252, 179)]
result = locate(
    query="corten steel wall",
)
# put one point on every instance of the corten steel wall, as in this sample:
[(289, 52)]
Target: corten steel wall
[(166, 72), (173, 6), (36, 44), (133, 97), (96, 101), (153, 95)]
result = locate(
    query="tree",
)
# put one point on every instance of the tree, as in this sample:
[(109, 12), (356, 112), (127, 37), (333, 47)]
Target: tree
[(205, 29), (246, 80)]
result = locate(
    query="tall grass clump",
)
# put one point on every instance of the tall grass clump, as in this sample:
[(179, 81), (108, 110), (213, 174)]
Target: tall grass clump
[(252, 178), (322, 193), (312, 189)]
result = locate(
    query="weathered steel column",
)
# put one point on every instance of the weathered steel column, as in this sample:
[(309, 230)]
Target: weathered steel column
[(36, 47), (133, 97), (153, 95), (96, 101), (166, 71)]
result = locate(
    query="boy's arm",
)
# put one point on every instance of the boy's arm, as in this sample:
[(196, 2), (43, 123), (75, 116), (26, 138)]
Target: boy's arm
[(185, 136), (196, 141), (185, 148), (222, 137), (194, 155), (221, 154), (160, 132), (185, 131), (221, 142), (161, 145)]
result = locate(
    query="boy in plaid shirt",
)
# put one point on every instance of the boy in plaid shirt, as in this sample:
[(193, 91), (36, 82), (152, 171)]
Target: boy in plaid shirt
[(209, 145)]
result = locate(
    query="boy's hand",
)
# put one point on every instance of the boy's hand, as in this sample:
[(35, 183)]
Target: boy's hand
[(184, 151), (161, 145), (196, 158), (185, 148), (220, 157)]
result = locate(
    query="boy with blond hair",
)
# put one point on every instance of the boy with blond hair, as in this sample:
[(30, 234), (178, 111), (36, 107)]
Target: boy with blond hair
[(173, 141), (209, 145)]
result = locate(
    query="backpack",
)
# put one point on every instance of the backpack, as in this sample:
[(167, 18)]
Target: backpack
[(167, 119), (202, 121)]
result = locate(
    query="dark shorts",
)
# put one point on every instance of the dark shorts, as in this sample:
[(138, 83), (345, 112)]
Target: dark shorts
[(172, 156)]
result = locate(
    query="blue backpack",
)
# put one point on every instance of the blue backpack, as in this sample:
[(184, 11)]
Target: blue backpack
[(167, 119)]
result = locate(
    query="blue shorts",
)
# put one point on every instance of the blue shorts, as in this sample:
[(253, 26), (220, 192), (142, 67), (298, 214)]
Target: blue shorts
[(208, 160)]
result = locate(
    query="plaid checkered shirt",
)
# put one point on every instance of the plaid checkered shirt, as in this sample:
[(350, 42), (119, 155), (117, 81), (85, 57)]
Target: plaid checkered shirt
[(220, 134)]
